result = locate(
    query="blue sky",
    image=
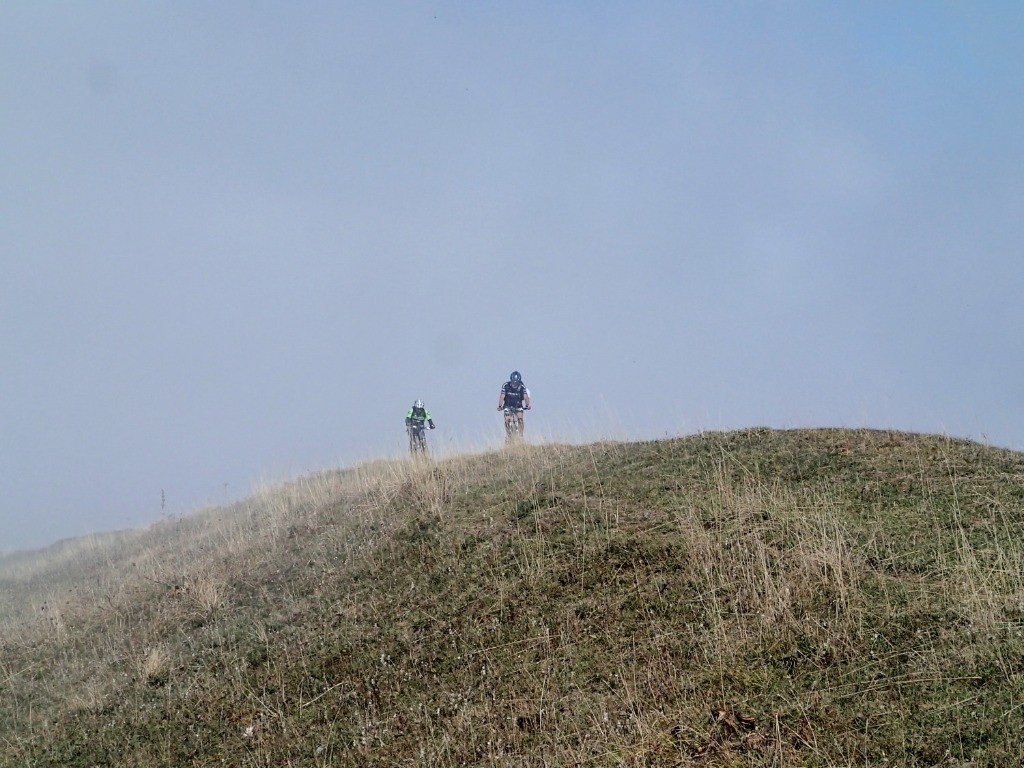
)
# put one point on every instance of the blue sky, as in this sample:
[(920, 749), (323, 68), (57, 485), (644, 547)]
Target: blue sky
[(240, 238)]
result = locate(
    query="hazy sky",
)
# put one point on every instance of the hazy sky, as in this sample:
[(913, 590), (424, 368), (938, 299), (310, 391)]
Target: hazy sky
[(239, 238)]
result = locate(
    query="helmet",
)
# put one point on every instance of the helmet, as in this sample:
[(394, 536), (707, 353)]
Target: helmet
[(418, 404), (515, 376)]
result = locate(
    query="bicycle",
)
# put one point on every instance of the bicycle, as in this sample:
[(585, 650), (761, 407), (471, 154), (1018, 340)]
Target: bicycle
[(513, 423), (417, 438)]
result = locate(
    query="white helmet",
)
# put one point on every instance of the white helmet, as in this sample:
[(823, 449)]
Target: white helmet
[(418, 404)]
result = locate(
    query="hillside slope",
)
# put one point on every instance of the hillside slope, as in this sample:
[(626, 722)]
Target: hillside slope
[(786, 598)]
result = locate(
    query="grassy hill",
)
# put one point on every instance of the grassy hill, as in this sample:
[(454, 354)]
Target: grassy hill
[(756, 598)]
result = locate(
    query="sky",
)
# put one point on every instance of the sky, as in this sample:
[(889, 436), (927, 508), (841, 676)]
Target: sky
[(238, 239)]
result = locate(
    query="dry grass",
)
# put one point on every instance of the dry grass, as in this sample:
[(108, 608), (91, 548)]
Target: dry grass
[(802, 598)]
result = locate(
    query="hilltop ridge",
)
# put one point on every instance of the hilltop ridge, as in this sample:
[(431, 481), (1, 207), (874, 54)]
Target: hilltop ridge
[(761, 597)]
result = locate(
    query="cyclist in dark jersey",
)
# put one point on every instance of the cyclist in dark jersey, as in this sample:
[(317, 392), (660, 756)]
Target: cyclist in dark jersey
[(513, 399)]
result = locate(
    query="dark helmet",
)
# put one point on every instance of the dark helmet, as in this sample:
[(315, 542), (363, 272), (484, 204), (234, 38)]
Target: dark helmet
[(515, 376)]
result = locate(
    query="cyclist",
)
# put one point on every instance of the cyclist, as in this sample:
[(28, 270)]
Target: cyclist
[(417, 415), (513, 399)]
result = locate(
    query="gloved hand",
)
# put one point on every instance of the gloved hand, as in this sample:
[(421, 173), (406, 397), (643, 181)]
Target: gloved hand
[(499, 407), (431, 423), (526, 407)]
